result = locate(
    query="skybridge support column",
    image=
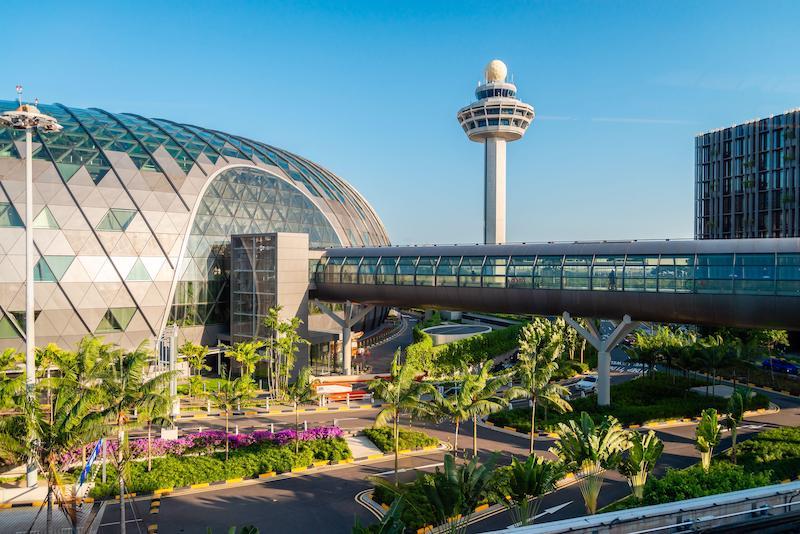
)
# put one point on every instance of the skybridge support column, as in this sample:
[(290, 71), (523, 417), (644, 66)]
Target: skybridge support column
[(604, 347), (353, 313)]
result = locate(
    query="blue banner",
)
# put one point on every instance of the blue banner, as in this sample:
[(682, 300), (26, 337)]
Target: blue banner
[(90, 461)]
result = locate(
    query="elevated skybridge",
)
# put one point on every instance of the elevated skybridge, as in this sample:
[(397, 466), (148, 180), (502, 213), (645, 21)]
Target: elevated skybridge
[(740, 283)]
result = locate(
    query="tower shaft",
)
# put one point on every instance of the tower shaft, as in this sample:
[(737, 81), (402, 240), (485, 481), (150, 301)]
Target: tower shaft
[(494, 209)]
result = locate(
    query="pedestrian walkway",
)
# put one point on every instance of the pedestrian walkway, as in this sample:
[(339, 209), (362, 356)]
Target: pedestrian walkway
[(361, 446)]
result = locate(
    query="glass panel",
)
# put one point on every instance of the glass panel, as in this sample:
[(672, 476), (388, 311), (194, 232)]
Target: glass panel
[(754, 274), (606, 271), (788, 274), (405, 271), (520, 272), (366, 273), (45, 219), (425, 271), (9, 216), (547, 274), (494, 272), (641, 273), (447, 271), (350, 270), (576, 272), (332, 270), (386, 268), (714, 273), (469, 273)]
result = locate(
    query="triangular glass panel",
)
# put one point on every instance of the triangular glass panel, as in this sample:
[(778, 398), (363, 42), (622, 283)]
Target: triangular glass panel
[(42, 272), (59, 265), (45, 219), (138, 272), (108, 323), (9, 217), (123, 316), (67, 170), (7, 330)]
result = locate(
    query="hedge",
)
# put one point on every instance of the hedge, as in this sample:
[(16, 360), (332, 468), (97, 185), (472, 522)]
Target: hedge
[(409, 439), (247, 462), (776, 451), (634, 402)]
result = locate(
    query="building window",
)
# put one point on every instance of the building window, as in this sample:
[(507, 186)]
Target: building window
[(116, 220)]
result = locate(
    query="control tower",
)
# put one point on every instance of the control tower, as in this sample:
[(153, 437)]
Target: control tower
[(496, 118)]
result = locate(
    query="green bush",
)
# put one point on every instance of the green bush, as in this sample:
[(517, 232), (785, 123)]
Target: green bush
[(678, 485), (417, 512), (176, 471), (409, 439), (477, 349), (776, 450), (633, 402)]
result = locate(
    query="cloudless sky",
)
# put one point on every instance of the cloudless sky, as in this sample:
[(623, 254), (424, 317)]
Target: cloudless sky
[(370, 90)]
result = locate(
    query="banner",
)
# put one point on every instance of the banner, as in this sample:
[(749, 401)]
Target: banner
[(90, 461)]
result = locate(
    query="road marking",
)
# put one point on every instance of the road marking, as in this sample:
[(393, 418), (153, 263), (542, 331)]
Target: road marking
[(408, 469), (547, 511)]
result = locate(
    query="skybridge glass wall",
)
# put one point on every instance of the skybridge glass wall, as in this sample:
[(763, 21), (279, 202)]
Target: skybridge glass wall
[(757, 274)]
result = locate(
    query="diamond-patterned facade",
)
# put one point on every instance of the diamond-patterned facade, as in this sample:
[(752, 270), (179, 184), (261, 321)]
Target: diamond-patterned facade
[(114, 198)]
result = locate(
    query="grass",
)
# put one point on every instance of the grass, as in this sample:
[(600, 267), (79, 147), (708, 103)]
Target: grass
[(634, 403)]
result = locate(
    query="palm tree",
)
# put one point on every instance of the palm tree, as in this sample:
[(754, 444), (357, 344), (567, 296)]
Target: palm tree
[(645, 350), (10, 385), (246, 353), (539, 353), (455, 492), (400, 394), (300, 392), (736, 408), (707, 436), (713, 353), (454, 407), (282, 347), (195, 356), (157, 412), (127, 389), (528, 482), (587, 449), (483, 396), (42, 436), (644, 452), (227, 398)]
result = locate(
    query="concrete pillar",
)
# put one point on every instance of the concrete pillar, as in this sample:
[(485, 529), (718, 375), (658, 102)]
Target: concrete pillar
[(350, 318), (494, 211), (604, 346)]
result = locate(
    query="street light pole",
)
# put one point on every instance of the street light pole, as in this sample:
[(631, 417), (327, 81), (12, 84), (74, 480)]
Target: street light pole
[(27, 117)]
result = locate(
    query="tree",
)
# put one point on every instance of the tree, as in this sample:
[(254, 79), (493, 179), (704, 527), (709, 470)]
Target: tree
[(454, 407), (456, 491), (127, 389), (248, 355), (282, 347), (539, 351), (300, 392), (645, 350), (530, 480), (228, 397), (772, 341), (707, 436), (736, 408), (587, 449), (195, 356), (11, 385), (391, 522), (155, 411), (641, 459), (400, 394), (43, 436), (483, 396), (713, 353)]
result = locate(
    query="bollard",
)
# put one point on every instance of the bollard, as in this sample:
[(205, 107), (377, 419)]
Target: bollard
[(348, 400), (238, 406), (236, 430), (272, 428), (267, 403), (208, 405), (305, 426), (259, 384)]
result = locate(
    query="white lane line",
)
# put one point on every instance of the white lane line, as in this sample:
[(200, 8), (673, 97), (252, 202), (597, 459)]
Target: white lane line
[(408, 469)]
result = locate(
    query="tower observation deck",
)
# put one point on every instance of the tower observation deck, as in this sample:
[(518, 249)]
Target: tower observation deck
[(495, 118)]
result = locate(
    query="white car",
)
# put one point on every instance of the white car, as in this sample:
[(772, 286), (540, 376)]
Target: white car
[(587, 384)]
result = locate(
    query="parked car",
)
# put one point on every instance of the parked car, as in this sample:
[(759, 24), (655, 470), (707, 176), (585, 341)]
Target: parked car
[(587, 384), (781, 366)]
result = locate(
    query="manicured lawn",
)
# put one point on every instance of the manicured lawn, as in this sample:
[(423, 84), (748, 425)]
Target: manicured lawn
[(634, 402), (409, 439)]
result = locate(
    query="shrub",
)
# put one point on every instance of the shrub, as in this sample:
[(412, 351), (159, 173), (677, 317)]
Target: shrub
[(776, 450), (677, 485), (409, 439)]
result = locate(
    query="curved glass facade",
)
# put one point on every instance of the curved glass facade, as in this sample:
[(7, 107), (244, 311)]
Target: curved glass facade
[(115, 196)]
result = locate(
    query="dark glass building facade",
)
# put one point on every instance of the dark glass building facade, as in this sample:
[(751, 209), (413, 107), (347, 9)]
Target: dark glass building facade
[(747, 180)]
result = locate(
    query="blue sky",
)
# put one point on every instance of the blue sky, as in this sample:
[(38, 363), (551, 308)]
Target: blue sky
[(370, 90)]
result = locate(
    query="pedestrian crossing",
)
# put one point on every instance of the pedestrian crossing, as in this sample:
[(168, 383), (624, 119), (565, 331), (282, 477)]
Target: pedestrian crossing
[(628, 367)]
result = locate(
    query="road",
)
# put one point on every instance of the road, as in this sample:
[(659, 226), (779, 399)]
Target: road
[(325, 502)]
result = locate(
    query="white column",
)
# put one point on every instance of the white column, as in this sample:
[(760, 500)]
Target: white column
[(30, 337), (494, 211), (347, 340)]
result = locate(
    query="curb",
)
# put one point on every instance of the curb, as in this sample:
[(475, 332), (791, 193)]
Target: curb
[(272, 412)]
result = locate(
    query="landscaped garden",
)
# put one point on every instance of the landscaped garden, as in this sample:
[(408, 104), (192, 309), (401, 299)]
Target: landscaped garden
[(649, 398), (408, 439), (200, 457)]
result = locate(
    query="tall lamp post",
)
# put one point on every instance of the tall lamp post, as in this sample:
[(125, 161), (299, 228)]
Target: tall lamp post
[(27, 117)]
